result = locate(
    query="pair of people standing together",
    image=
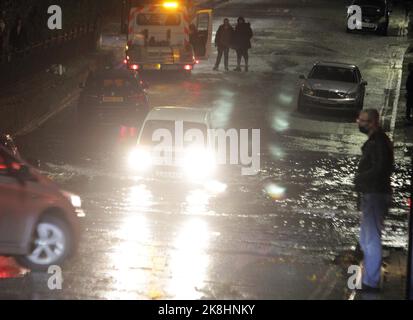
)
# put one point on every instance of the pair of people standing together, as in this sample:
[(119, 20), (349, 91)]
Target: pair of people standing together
[(239, 39)]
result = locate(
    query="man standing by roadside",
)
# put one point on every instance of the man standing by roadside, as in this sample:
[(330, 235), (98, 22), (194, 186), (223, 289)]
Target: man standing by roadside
[(3, 40), (242, 42), (223, 40), (18, 36), (409, 93), (372, 181)]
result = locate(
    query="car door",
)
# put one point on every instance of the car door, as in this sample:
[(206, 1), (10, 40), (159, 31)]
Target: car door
[(362, 86), (203, 22), (13, 201)]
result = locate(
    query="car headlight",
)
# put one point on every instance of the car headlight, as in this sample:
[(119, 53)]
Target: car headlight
[(307, 91), (352, 95), (139, 159), (74, 199), (198, 163)]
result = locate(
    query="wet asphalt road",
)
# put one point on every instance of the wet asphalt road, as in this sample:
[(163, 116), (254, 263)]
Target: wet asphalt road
[(281, 234)]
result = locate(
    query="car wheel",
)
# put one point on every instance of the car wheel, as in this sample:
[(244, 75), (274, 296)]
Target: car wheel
[(383, 31), (52, 243)]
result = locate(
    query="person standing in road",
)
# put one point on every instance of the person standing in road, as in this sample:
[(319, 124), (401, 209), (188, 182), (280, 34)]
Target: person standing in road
[(223, 41), (242, 42), (409, 93), (372, 182)]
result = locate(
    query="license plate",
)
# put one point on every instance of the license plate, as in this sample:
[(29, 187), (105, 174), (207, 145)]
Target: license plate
[(327, 102), (368, 25), (169, 174), (153, 66), (112, 99)]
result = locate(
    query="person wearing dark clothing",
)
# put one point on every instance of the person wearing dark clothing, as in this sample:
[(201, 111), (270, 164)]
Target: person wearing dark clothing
[(3, 38), (223, 41), (194, 40), (18, 36), (373, 183), (409, 93), (242, 42)]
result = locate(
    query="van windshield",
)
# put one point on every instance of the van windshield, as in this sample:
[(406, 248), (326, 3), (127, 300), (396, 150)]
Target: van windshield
[(158, 19)]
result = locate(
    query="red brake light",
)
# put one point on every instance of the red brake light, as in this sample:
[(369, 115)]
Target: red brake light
[(134, 67), (188, 67)]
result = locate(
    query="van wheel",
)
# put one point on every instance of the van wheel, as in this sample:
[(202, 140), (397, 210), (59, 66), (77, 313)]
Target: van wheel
[(52, 243)]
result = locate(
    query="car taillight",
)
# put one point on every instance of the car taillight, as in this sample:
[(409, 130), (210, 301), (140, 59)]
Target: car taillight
[(188, 67), (134, 67), (127, 132)]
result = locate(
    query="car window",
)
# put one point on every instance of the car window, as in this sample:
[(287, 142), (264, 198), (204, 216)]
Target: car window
[(157, 19), (333, 74), (152, 126), (371, 7), (117, 83)]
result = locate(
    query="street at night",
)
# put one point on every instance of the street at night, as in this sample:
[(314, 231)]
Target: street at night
[(290, 231)]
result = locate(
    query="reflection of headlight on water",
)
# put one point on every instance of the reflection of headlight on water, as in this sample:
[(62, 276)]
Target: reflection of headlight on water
[(139, 160), (198, 163), (276, 192)]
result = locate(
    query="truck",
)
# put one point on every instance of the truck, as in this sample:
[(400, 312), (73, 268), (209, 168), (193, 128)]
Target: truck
[(167, 35)]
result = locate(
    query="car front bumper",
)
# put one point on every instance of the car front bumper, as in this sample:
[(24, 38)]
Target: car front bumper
[(330, 104)]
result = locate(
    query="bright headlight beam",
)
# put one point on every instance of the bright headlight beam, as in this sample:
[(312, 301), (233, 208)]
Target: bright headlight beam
[(198, 163), (139, 160)]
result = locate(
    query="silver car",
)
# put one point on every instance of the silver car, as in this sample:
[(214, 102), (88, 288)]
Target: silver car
[(333, 86)]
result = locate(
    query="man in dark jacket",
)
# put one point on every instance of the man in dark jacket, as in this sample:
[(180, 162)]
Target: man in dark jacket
[(223, 40), (409, 93), (3, 38), (242, 42), (372, 181), (18, 36)]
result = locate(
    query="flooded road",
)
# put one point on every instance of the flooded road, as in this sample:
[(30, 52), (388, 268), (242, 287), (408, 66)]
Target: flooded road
[(278, 235)]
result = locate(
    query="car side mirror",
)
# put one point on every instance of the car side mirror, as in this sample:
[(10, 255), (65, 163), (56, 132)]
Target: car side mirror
[(302, 77), (364, 83)]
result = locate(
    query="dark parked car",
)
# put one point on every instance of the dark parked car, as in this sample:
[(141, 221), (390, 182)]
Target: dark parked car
[(113, 97), (333, 86), (375, 15)]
